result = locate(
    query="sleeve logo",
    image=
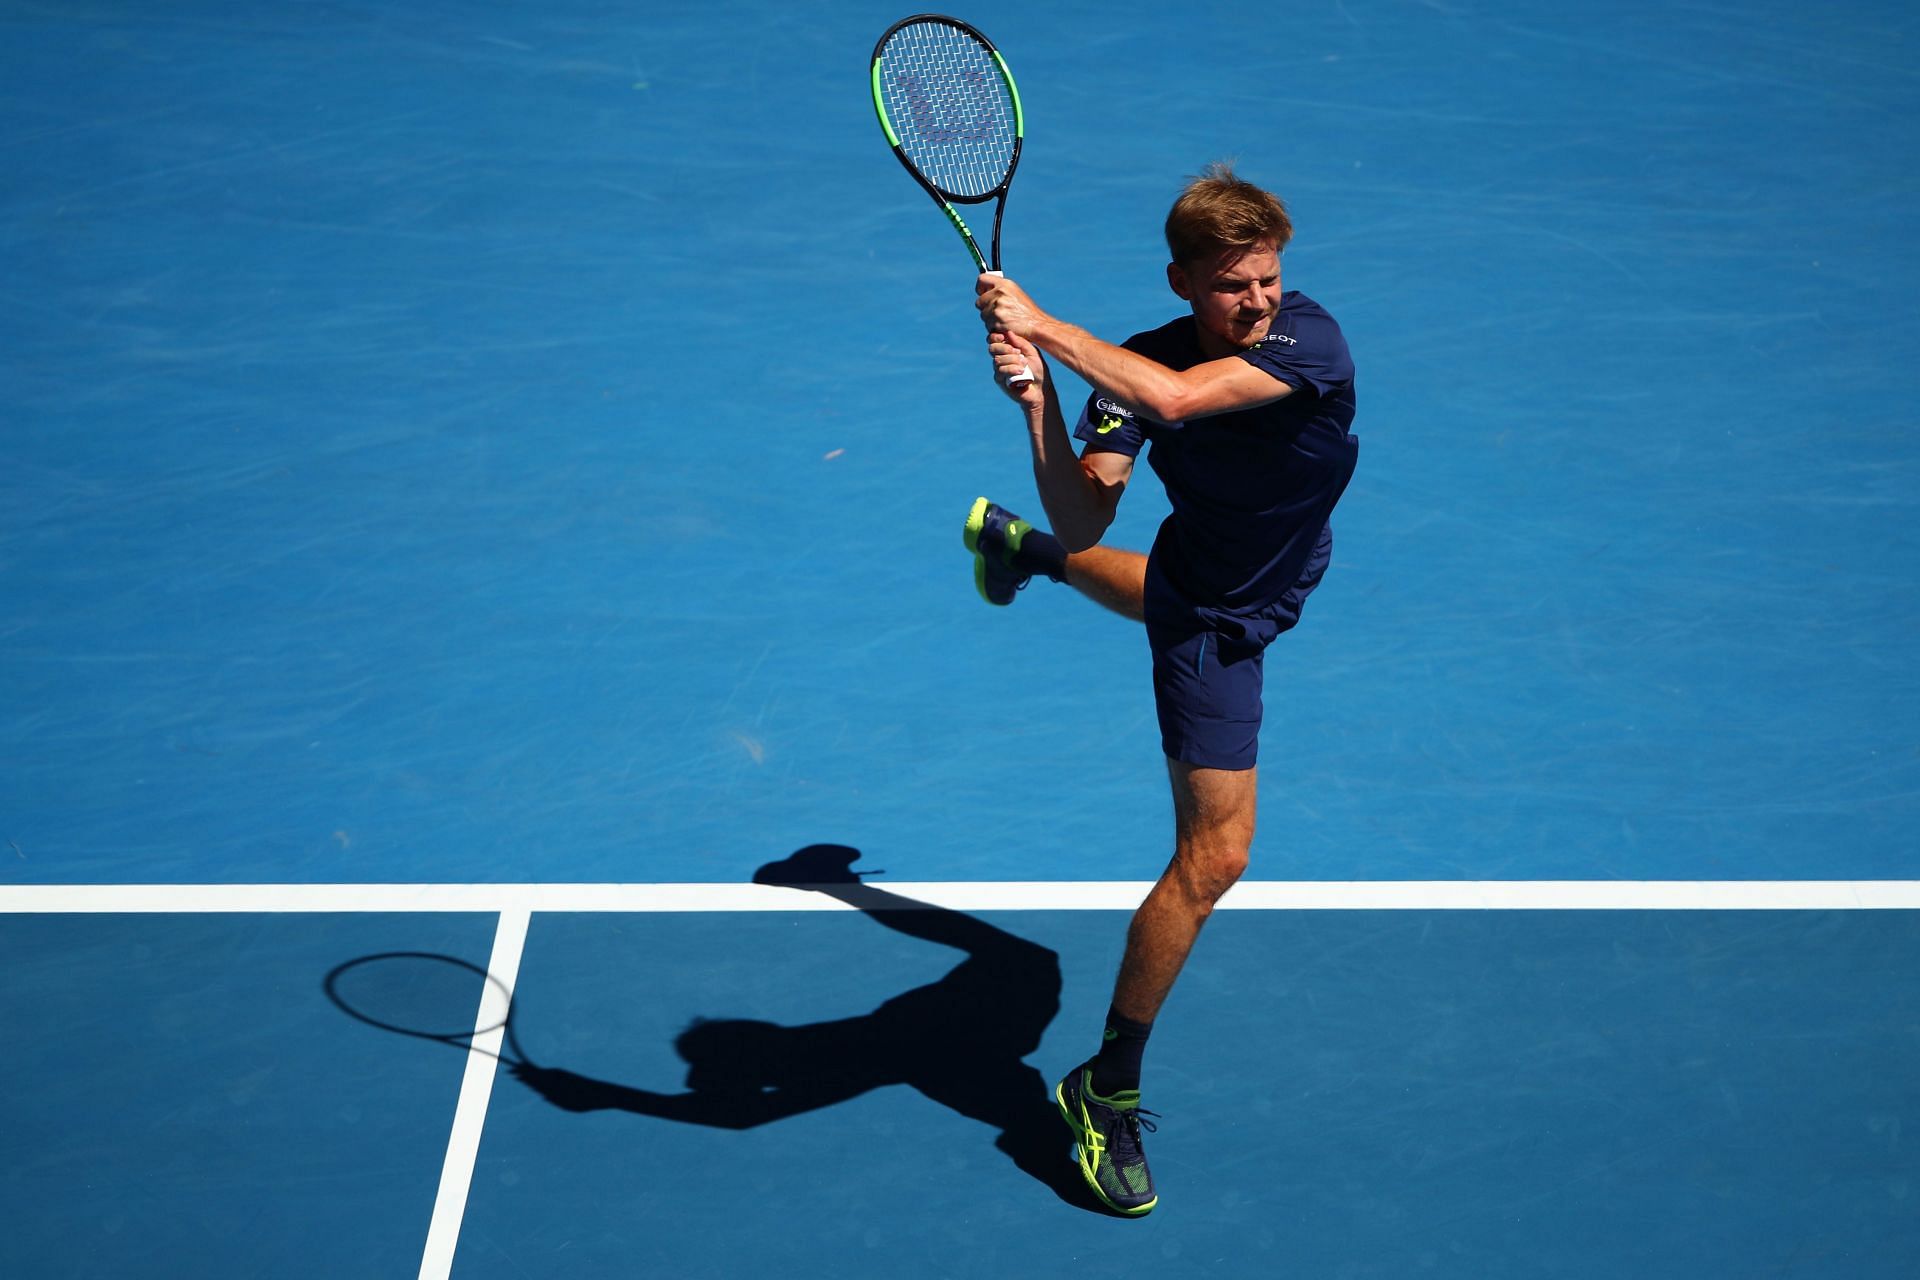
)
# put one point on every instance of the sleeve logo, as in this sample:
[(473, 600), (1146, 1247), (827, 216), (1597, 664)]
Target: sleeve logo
[(1110, 417)]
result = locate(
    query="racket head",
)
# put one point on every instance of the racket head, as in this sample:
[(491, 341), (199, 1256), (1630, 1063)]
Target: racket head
[(425, 995), (948, 106)]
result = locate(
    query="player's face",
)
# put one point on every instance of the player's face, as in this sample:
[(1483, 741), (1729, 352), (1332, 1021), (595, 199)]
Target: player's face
[(1234, 294)]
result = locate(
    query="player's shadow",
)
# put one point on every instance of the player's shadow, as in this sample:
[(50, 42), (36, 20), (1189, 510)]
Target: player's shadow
[(960, 1041)]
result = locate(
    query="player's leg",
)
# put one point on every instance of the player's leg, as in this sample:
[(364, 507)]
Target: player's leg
[(1008, 551), (1207, 690), (1213, 813), (1112, 577)]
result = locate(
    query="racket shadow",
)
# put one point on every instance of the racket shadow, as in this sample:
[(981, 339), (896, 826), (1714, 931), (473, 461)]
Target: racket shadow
[(960, 1041)]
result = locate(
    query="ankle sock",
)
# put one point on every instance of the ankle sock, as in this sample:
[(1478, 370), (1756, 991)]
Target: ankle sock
[(1042, 553), (1117, 1065)]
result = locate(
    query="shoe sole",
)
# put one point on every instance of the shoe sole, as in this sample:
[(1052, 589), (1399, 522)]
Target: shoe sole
[(1080, 1158), (970, 534), (976, 521)]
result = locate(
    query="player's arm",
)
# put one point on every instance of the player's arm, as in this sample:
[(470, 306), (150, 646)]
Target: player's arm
[(1144, 385), (1080, 494), (1149, 387), (1106, 476)]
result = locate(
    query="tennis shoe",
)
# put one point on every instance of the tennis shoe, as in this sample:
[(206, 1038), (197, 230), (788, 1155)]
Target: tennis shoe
[(994, 534), (1106, 1133)]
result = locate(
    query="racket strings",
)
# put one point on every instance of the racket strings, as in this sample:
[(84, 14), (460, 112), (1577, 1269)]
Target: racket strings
[(950, 107)]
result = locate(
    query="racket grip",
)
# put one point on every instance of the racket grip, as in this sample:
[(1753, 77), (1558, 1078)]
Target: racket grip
[(1025, 376)]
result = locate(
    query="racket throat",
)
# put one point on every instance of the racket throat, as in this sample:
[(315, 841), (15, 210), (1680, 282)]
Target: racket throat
[(966, 237)]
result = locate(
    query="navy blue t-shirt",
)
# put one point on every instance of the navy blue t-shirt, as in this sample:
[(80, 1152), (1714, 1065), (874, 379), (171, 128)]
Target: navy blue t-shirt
[(1251, 490)]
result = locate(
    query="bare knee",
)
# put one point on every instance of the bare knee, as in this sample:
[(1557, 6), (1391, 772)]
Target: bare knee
[(1213, 823), (1208, 866)]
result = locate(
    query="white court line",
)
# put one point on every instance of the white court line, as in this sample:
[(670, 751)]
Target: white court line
[(476, 1088), (985, 895)]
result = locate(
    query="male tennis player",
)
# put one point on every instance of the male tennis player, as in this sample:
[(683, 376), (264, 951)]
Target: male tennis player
[(1246, 404)]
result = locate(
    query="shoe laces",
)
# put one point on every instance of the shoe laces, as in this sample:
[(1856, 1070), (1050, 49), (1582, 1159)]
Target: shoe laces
[(1126, 1138)]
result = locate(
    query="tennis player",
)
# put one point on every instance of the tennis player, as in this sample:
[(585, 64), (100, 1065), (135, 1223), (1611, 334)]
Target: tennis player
[(1246, 404)]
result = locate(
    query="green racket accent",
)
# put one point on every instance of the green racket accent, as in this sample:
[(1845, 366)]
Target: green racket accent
[(960, 225), (1013, 91), (880, 108)]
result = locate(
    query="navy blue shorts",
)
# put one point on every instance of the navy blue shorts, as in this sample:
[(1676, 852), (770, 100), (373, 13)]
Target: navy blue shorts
[(1207, 676)]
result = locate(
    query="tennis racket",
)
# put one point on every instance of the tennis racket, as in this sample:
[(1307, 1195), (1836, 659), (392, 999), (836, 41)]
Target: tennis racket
[(429, 997), (951, 113)]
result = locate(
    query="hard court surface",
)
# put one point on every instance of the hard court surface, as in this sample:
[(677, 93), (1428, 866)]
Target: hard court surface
[(480, 480)]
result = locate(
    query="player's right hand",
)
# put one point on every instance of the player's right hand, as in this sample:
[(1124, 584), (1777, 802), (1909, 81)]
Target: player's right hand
[(1016, 358), (1004, 306)]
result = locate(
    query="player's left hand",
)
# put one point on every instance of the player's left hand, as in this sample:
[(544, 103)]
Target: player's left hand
[(1012, 358), (1005, 306)]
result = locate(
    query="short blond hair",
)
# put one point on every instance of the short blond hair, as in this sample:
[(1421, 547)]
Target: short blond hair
[(1219, 210)]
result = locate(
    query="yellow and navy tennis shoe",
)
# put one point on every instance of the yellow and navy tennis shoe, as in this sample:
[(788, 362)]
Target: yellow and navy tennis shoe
[(994, 534), (1106, 1132)]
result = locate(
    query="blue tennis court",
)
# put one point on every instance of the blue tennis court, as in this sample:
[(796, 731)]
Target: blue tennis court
[(479, 481)]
